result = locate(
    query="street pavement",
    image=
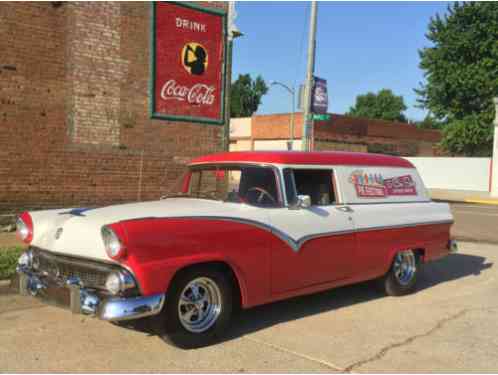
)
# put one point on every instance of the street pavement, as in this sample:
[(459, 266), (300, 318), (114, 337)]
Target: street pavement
[(449, 325), (475, 222)]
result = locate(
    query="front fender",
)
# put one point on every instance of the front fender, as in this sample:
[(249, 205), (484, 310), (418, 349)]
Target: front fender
[(157, 248)]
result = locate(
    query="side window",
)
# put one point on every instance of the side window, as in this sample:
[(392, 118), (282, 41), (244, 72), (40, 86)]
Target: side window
[(317, 183)]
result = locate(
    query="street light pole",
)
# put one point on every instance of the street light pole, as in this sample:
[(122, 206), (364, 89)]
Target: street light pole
[(292, 92), (308, 121)]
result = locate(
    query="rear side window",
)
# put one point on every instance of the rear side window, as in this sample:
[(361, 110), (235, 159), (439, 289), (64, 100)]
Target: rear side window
[(317, 183)]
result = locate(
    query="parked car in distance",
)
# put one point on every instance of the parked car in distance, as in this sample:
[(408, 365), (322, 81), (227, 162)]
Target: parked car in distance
[(237, 230)]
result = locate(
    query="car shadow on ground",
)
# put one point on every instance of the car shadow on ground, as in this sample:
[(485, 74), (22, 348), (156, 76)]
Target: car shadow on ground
[(453, 267)]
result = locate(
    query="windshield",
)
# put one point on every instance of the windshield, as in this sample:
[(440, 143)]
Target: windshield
[(252, 185)]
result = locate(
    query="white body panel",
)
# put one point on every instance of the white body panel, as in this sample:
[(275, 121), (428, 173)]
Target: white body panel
[(381, 216)]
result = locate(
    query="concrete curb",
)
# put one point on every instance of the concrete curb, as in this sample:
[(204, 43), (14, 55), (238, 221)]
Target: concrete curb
[(482, 201), (470, 201)]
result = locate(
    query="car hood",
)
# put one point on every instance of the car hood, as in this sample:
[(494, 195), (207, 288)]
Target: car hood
[(76, 231)]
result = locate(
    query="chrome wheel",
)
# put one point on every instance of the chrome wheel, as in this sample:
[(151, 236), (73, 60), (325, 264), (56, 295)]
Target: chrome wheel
[(200, 305), (405, 267)]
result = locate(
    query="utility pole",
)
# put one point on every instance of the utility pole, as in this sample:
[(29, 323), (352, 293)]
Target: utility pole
[(232, 33), (307, 117), (494, 160)]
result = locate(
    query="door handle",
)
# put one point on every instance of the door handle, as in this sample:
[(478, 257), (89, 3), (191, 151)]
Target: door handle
[(344, 209)]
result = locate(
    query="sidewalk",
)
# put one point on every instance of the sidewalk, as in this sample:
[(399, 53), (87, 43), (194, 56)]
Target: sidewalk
[(467, 196)]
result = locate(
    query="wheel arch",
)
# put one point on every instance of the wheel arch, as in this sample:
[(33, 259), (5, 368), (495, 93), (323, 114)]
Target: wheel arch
[(418, 251), (240, 295)]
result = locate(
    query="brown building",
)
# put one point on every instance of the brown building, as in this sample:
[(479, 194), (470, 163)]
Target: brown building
[(75, 121), (266, 132)]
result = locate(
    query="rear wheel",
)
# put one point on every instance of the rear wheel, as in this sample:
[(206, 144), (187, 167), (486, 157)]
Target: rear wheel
[(402, 277), (198, 308)]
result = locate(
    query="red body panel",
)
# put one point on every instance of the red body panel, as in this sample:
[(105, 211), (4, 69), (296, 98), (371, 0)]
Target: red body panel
[(158, 248), (266, 267), (376, 248), (318, 261), (313, 158)]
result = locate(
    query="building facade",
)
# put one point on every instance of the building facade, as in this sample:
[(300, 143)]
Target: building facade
[(75, 105), (341, 133)]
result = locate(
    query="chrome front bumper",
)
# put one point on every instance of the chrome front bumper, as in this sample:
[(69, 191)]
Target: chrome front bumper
[(79, 300)]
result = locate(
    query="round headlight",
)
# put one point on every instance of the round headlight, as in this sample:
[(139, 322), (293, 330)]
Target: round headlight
[(119, 282), (113, 283), (113, 245)]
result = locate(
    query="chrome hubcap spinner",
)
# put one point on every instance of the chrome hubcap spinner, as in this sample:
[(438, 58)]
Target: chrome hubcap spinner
[(405, 266), (200, 305)]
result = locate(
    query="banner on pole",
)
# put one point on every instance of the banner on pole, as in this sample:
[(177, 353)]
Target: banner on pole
[(319, 97)]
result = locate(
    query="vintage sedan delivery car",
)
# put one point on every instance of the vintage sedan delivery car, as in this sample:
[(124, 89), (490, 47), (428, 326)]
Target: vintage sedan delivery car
[(238, 230)]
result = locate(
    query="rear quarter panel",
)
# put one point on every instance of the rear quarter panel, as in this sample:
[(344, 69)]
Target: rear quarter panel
[(400, 217)]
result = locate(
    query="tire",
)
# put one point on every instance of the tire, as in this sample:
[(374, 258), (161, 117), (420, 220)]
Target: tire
[(182, 321), (401, 281)]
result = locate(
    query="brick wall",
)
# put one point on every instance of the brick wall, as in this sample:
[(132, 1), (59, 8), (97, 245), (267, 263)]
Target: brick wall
[(74, 121), (351, 134)]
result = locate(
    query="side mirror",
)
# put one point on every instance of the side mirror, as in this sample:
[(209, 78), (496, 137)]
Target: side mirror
[(303, 201)]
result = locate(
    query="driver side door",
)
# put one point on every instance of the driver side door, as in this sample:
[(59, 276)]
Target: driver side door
[(318, 243)]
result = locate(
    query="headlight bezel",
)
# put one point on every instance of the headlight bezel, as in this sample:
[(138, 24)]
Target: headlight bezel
[(24, 227), (113, 245)]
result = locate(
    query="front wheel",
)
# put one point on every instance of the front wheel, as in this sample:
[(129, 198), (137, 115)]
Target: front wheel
[(198, 308), (402, 277)]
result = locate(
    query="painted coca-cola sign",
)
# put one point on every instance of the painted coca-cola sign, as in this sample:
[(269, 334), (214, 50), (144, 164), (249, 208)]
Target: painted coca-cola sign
[(188, 63)]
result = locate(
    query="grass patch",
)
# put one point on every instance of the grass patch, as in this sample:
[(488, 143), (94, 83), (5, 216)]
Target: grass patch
[(8, 261)]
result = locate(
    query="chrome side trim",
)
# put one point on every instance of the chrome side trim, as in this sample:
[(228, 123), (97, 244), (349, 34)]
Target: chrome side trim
[(296, 245), (409, 225)]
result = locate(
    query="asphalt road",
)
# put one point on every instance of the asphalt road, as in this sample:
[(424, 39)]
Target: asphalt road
[(449, 325), (475, 222)]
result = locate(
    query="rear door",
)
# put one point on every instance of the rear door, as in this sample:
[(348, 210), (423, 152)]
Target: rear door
[(318, 243)]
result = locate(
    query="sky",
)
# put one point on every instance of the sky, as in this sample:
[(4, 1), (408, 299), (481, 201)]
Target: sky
[(361, 47)]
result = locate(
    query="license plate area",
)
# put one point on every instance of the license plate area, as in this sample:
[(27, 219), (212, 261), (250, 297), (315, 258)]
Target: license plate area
[(47, 291), (56, 295)]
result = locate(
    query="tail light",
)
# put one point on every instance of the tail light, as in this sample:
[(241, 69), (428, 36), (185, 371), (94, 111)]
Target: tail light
[(114, 247), (24, 225)]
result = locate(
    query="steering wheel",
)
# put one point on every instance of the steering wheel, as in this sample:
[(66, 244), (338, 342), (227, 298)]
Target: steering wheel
[(262, 194)]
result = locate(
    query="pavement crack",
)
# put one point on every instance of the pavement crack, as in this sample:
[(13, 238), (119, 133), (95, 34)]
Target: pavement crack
[(321, 362), (381, 353)]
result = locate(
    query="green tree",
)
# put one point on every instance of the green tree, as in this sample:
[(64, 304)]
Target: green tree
[(469, 136), (246, 95), (429, 122), (461, 75), (383, 105)]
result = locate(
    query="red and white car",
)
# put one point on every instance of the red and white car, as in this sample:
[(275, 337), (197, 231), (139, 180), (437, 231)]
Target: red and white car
[(238, 230)]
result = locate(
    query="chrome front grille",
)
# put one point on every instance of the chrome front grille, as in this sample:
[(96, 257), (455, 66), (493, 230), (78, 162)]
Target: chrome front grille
[(60, 267)]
